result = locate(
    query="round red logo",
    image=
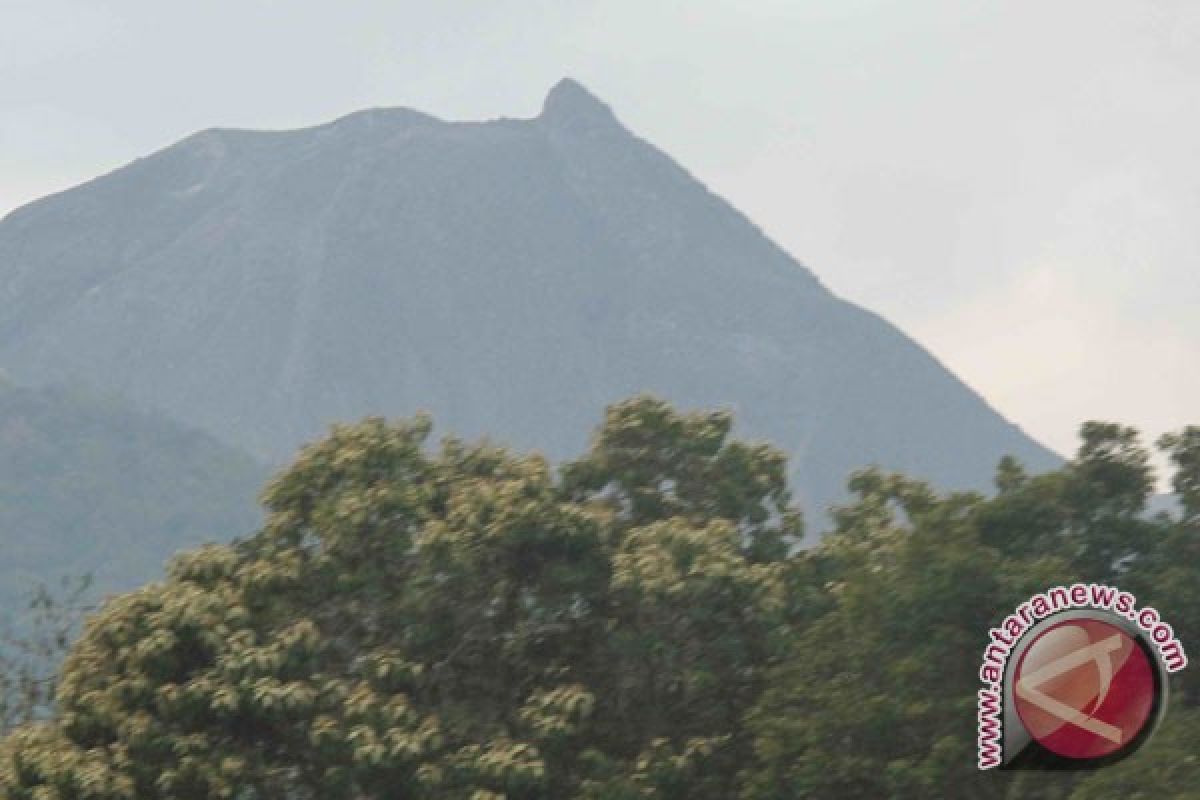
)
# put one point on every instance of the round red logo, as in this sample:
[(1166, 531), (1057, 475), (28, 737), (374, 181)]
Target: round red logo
[(1084, 689)]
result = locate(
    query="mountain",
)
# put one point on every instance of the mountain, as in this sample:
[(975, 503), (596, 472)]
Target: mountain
[(511, 276), (88, 485)]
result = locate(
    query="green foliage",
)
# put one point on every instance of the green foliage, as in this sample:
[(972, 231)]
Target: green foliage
[(1089, 513), (650, 463), (1184, 451), (1167, 768), (876, 698), (461, 622), (454, 624)]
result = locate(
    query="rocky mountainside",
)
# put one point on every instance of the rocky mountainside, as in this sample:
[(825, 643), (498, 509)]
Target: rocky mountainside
[(511, 276), (90, 486)]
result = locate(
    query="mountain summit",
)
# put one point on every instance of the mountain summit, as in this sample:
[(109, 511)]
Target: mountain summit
[(511, 276), (569, 103)]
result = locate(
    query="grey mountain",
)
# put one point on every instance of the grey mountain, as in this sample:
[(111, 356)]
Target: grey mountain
[(90, 485), (511, 276)]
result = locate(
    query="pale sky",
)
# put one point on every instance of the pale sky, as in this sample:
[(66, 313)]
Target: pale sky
[(1015, 184)]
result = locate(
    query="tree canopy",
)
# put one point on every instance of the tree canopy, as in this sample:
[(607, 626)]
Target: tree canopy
[(461, 621)]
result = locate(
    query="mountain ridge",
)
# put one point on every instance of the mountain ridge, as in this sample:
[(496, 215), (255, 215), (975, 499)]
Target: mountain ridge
[(511, 275), (90, 485)]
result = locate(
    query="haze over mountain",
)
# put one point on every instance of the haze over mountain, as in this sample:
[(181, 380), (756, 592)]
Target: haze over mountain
[(511, 276), (90, 486)]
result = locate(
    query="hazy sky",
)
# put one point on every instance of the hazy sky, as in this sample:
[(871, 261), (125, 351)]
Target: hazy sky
[(1015, 184)]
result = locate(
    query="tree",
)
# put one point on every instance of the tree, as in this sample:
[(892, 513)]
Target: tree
[(454, 624), (1165, 573), (462, 622), (1184, 451), (1089, 513), (32, 647), (1166, 767), (875, 698), (650, 463), (1108, 485)]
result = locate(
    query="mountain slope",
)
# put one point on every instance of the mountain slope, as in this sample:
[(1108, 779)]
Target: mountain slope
[(512, 276), (90, 486)]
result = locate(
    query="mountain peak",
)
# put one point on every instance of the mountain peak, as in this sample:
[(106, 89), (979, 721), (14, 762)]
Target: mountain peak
[(513, 277), (570, 103)]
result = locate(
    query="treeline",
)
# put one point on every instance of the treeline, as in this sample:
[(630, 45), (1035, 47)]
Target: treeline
[(464, 622)]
